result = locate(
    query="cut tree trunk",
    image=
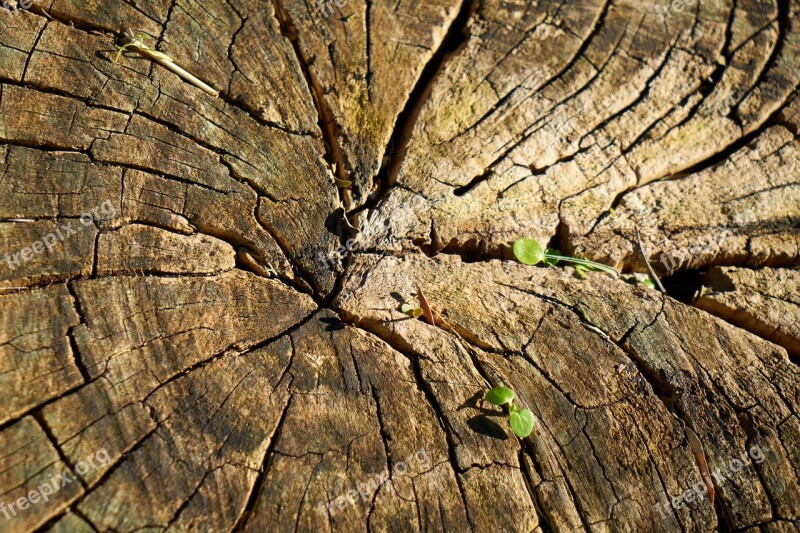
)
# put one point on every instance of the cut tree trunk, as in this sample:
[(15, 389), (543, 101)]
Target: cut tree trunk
[(200, 296)]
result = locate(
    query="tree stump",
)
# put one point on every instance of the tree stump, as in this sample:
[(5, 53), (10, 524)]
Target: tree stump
[(200, 295)]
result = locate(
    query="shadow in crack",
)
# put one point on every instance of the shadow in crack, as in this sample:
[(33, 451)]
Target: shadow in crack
[(332, 323), (483, 422), (485, 426)]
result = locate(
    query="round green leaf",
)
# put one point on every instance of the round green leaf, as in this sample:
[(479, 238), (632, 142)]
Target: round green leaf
[(410, 310), (528, 251), (499, 396), (521, 423)]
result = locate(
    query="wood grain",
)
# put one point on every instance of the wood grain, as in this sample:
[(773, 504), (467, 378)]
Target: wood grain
[(230, 335)]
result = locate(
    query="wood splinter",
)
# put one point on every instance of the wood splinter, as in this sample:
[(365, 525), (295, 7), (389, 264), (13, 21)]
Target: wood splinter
[(131, 41)]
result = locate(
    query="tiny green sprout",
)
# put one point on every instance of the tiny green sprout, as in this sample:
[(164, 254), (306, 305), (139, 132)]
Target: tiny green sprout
[(641, 282), (581, 271), (551, 256), (530, 252), (410, 310), (135, 41), (520, 419)]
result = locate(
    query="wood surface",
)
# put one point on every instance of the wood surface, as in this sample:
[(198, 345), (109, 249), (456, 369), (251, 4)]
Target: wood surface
[(200, 295)]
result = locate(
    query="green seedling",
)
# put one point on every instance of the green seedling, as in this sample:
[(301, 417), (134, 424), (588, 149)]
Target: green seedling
[(137, 43), (530, 252), (551, 256), (653, 279), (520, 419), (410, 310), (423, 310), (645, 282)]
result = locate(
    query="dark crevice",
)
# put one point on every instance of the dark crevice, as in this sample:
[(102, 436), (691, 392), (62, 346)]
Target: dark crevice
[(327, 125), (385, 437), (475, 249), (48, 526), (254, 266), (331, 132), (76, 356), (457, 35), (286, 248), (368, 39), (141, 442), (252, 499), (83, 517), (49, 432), (545, 516), (474, 182), (395, 150), (670, 396), (560, 238), (82, 25), (408, 351), (683, 285)]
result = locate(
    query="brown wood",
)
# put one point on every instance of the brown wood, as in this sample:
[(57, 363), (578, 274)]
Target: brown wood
[(200, 309)]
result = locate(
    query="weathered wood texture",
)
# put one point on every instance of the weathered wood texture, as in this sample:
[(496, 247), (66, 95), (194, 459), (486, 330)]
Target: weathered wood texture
[(177, 328)]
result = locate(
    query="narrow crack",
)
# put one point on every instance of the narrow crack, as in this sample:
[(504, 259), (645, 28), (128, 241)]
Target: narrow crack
[(395, 151), (252, 499), (430, 395)]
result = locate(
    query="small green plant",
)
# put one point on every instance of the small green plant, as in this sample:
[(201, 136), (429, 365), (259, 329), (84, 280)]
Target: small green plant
[(410, 310), (640, 281), (648, 282), (520, 419), (530, 252), (417, 311), (134, 41)]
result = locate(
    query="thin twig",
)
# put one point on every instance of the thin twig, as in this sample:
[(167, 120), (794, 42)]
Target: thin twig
[(647, 261), (165, 61)]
